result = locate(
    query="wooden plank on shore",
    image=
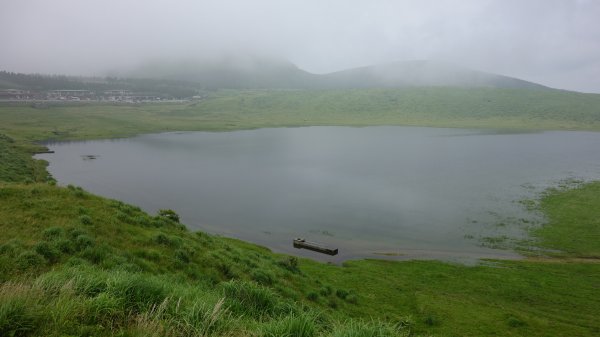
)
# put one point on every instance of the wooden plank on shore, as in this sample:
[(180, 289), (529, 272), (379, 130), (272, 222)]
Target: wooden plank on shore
[(301, 243)]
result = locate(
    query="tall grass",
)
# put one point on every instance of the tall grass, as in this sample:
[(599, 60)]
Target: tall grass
[(293, 325), (75, 299), (251, 299), (369, 329), (203, 320), (19, 310)]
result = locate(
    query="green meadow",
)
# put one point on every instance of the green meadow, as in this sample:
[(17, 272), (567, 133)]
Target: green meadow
[(76, 264), (234, 110)]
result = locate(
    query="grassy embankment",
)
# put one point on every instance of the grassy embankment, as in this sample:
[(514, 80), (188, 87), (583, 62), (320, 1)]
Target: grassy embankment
[(72, 263)]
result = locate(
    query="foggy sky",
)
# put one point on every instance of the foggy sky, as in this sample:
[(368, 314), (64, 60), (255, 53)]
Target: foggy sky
[(552, 42)]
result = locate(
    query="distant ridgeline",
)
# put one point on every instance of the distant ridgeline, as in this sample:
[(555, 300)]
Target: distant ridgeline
[(260, 73), (185, 78)]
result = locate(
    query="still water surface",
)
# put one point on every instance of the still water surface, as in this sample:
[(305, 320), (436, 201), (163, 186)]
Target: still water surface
[(405, 192)]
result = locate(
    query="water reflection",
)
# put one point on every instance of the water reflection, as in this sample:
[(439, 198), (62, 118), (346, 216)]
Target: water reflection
[(386, 192)]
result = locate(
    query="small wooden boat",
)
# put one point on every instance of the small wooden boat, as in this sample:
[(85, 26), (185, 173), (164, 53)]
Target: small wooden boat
[(301, 243)]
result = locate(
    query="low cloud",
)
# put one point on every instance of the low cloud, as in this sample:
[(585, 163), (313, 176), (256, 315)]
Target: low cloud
[(553, 42)]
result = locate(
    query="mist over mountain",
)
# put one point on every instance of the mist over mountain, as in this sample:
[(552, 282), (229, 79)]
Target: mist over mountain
[(230, 72), (420, 74), (554, 43), (181, 78), (264, 73)]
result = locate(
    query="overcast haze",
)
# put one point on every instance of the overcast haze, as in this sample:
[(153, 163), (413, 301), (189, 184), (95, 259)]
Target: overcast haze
[(552, 42)]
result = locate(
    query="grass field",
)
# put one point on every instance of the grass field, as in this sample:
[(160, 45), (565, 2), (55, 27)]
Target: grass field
[(234, 110), (75, 264), (574, 225)]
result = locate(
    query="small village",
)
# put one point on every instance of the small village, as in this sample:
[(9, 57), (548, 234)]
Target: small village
[(117, 95)]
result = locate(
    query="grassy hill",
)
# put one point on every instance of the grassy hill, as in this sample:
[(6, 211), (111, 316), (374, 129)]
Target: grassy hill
[(229, 73), (420, 74), (263, 73), (76, 264)]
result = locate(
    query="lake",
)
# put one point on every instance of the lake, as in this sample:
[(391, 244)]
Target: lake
[(385, 192)]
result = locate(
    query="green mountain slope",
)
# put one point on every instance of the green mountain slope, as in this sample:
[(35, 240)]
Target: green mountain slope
[(181, 78), (230, 73), (421, 74), (260, 73)]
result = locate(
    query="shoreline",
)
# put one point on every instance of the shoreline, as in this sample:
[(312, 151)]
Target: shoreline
[(373, 252)]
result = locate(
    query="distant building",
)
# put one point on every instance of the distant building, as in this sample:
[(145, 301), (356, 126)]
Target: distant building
[(15, 94), (144, 97), (128, 96), (118, 95), (70, 94)]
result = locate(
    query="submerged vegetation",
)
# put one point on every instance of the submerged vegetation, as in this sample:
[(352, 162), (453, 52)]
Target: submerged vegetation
[(72, 263)]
